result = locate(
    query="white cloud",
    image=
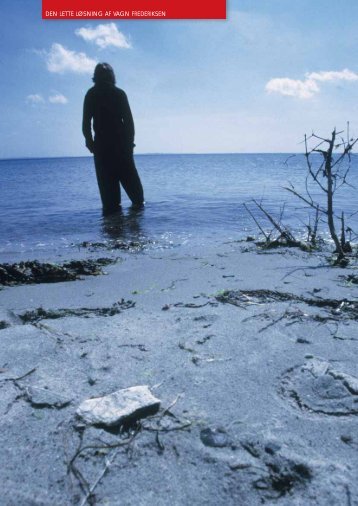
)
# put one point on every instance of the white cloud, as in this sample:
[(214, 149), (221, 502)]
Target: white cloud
[(307, 88), (104, 36), (35, 98), (60, 60), (57, 99), (292, 87), (343, 75)]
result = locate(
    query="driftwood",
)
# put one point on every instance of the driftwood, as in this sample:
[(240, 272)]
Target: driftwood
[(328, 171), (283, 237)]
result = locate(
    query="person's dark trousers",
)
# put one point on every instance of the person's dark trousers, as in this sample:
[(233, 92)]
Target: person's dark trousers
[(129, 179), (112, 169)]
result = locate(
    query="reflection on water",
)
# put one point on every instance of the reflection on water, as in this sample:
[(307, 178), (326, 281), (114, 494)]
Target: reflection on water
[(125, 225)]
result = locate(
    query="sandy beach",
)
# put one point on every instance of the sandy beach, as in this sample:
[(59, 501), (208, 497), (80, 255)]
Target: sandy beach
[(252, 354)]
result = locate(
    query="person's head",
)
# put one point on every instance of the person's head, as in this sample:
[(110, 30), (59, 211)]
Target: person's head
[(103, 73)]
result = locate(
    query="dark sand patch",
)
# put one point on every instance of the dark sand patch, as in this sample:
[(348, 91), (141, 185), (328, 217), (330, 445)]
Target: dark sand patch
[(278, 475)]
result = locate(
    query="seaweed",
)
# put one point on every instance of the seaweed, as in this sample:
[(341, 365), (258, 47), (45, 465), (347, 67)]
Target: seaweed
[(33, 271)]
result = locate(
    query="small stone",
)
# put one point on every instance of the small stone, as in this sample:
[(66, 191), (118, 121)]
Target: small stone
[(44, 398), (216, 438), (120, 406), (347, 439), (272, 448)]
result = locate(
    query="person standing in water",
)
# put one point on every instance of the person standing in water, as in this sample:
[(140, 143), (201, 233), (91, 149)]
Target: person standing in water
[(107, 110)]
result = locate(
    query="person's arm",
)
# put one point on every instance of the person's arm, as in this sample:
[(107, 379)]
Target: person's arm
[(86, 123), (128, 122)]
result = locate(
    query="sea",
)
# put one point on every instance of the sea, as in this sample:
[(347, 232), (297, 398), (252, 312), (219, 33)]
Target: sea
[(49, 207)]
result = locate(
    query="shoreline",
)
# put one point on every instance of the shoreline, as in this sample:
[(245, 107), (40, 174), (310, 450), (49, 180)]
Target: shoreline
[(267, 384)]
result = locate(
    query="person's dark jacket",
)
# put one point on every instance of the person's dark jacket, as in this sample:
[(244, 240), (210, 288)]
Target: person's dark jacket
[(113, 124)]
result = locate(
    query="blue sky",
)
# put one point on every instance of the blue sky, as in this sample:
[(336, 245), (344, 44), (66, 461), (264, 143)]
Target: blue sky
[(256, 82)]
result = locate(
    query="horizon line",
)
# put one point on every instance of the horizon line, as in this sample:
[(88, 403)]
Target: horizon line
[(157, 154)]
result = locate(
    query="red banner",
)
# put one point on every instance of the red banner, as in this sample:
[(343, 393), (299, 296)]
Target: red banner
[(134, 9)]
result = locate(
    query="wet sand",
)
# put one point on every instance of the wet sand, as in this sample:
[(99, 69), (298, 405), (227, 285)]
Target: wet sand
[(253, 355)]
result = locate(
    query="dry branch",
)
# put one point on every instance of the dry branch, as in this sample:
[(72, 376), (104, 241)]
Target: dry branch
[(329, 173)]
